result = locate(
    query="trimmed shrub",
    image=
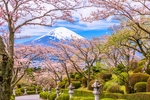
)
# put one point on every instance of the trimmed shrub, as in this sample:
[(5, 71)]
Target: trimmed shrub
[(72, 80), (105, 75), (78, 76), (141, 63), (31, 88), (120, 68), (84, 82), (140, 87), (115, 89), (31, 92), (135, 78), (90, 85), (122, 78), (138, 77), (12, 97), (148, 85), (76, 84), (66, 85), (49, 96), (61, 84), (138, 70), (39, 88), (22, 89), (63, 97), (18, 92), (65, 79)]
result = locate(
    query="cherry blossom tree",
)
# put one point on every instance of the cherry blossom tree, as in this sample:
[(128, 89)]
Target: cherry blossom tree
[(80, 53), (130, 13), (14, 14)]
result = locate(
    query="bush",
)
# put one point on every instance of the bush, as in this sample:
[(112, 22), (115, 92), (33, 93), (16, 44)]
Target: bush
[(22, 89), (140, 87), (115, 89), (66, 85), (72, 80), (148, 85), (31, 88), (122, 78), (18, 92), (63, 97), (81, 98), (12, 97), (84, 82), (141, 63), (76, 84), (39, 88), (135, 78), (90, 85), (50, 96), (105, 75), (120, 68), (65, 79), (138, 70), (78, 76), (31, 92), (138, 77), (61, 84)]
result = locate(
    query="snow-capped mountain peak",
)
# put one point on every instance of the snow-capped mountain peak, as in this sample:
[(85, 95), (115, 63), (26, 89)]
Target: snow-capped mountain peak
[(61, 33), (55, 35)]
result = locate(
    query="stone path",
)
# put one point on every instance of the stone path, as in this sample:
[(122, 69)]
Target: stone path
[(28, 97)]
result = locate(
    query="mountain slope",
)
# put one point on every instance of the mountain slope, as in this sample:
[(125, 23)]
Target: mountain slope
[(54, 35)]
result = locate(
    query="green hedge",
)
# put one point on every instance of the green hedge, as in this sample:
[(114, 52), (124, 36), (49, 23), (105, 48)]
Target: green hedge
[(76, 84), (18, 92), (82, 98), (46, 95), (12, 97), (31, 92), (140, 86), (63, 97)]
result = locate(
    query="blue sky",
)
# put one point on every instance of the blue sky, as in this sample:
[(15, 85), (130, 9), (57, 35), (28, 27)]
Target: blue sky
[(85, 29)]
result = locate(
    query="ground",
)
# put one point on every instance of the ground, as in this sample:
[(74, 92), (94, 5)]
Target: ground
[(28, 97)]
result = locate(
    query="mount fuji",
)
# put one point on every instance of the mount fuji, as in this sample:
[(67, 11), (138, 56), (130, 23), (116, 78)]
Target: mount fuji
[(54, 35)]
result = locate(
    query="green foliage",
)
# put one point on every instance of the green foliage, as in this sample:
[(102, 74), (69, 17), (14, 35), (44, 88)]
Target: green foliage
[(140, 87), (72, 75), (65, 79), (32, 88), (138, 77), (120, 68), (138, 70), (78, 76), (135, 78), (12, 97), (76, 84), (148, 85), (49, 96), (63, 97), (115, 89), (122, 78), (18, 92), (105, 75), (90, 85), (39, 88), (66, 85), (82, 98), (84, 82), (61, 84), (31, 92), (141, 63), (22, 89)]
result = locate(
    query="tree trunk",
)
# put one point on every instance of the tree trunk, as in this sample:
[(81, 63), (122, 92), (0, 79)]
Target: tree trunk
[(147, 63), (88, 80)]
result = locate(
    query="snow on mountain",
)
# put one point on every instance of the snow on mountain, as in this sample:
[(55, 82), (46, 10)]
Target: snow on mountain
[(55, 35)]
